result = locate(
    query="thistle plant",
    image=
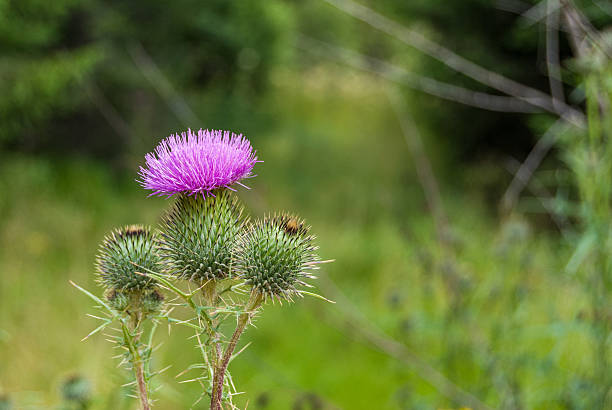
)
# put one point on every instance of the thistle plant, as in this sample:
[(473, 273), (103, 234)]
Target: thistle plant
[(130, 298), (207, 253)]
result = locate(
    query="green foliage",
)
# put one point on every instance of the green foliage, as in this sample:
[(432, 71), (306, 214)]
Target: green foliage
[(74, 64), (517, 318), (588, 154), (198, 235)]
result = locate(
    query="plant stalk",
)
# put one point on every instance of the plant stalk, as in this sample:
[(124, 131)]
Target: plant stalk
[(137, 362), (219, 376), (142, 385)]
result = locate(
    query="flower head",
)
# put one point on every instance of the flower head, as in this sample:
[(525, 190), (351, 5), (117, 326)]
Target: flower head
[(197, 163), (275, 256)]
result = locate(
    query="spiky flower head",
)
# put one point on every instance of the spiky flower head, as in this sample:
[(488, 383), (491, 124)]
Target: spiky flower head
[(198, 235), (124, 252), (275, 255), (197, 163)]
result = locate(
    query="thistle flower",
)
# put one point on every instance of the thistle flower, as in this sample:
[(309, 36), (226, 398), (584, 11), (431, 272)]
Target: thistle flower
[(198, 235), (197, 163), (124, 252), (275, 255)]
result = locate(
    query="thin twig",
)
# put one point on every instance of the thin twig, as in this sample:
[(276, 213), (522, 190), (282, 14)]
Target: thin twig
[(108, 111), (423, 167), (162, 85), (575, 33), (458, 63), (542, 195), (539, 12), (580, 23), (402, 76), (527, 168), (553, 66)]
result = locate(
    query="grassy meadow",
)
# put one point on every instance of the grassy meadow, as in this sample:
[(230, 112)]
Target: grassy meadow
[(493, 308)]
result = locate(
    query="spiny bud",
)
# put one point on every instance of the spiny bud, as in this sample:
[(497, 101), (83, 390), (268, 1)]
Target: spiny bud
[(118, 300), (152, 302), (199, 234), (124, 252), (5, 402), (149, 301), (275, 254), (76, 389)]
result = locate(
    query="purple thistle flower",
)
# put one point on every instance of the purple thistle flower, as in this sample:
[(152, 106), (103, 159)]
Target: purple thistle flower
[(197, 163)]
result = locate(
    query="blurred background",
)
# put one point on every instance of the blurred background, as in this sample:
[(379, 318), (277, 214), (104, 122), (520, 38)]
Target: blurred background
[(455, 286)]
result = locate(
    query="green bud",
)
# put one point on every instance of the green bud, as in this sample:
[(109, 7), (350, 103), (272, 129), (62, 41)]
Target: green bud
[(152, 302), (124, 252), (198, 235), (275, 255), (5, 402), (118, 300), (76, 389)]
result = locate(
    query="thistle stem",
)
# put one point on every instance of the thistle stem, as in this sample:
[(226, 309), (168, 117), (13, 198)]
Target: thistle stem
[(142, 385), (220, 369), (137, 362)]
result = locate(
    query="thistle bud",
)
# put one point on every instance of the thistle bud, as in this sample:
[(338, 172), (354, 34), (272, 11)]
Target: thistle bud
[(124, 252), (152, 302), (117, 300), (76, 390), (199, 234), (275, 255), (5, 402)]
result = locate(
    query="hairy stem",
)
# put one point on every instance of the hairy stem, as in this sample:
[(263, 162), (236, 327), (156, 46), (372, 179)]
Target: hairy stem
[(209, 292), (219, 376), (137, 362), (142, 385)]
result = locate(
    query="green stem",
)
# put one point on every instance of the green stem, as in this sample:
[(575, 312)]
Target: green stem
[(137, 363), (219, 376)]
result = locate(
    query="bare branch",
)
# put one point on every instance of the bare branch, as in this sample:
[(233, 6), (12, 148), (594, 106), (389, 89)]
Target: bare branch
[(423, 166), (402, 76), (581, 29), (526, 170), (540, 12), (543, 196), (110, 113), (513, 6), (451, 59), (553, 66), (164, 88)]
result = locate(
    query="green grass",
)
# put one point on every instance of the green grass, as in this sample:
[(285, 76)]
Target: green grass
[(504, 321)]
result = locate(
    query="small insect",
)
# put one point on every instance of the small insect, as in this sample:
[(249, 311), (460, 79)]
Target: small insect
[(132, 230), (293, 226)]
